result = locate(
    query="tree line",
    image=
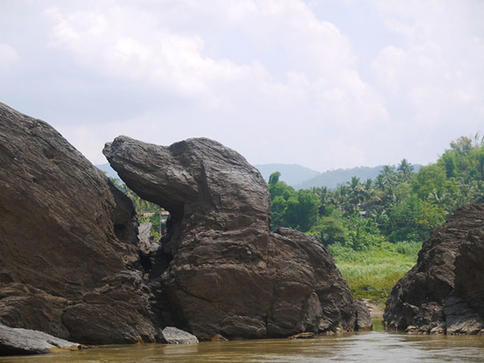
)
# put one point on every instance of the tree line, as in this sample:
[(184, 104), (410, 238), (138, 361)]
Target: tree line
[(399, 205)]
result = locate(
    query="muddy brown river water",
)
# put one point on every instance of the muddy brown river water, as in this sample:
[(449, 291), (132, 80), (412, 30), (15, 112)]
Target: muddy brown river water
[(376, 346)]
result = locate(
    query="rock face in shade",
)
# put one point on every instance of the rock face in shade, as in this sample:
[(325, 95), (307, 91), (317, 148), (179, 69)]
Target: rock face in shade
[(363, 316), (225, 272), (69, 263), (444, 291), (16, 341)]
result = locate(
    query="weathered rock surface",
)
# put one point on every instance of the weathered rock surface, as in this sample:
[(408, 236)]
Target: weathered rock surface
[(224, 272), (145, 242), (69, 264), (444, 291), (15, 341), (172, 335), (363, 316)]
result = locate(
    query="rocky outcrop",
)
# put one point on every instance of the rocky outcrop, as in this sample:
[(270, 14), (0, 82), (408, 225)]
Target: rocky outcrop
[(69, 263), (223, 271), (16, 341), (72, 265), (444, 291)]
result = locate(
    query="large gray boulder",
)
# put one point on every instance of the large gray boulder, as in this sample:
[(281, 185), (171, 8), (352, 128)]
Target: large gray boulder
[(69, 261), (444, 291), (224, 272), (16, 341)]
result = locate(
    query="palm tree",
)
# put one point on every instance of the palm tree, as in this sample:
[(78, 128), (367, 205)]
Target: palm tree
[(405, 170)]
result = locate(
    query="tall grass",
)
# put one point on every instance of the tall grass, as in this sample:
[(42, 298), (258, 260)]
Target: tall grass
[(373, 272)]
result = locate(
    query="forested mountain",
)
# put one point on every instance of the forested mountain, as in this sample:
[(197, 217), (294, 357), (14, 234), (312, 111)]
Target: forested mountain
[(300, 177), (333, 178), (291, 174), (400, 204)]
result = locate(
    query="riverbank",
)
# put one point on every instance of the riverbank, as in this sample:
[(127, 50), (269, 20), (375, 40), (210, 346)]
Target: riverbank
[(376, 309), (372, 273)]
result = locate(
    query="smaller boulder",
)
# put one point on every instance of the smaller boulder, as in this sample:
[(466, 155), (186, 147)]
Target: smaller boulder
[(17, 341), (172, 335), (363, 316)]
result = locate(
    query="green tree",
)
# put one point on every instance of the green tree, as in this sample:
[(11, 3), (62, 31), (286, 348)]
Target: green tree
[(405, 170), (330, 230), (462, 145), (293, 209), (431, 184), (414, 219), (303, 211), (278, 211)]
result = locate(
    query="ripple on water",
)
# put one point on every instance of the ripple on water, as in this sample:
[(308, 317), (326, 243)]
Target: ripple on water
[(361, 347)]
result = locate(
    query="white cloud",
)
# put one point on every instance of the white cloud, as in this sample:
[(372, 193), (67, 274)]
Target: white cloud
[(438, 71), (130, 43), (126, 43), (327, 85), (262, 71), (8, 56)]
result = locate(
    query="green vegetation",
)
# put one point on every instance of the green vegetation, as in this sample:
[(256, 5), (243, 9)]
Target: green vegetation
[(298, 210), (373, 272), (374, 228), (146, 211)]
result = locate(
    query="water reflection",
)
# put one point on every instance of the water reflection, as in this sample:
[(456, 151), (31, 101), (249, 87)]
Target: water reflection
[(376, 346)]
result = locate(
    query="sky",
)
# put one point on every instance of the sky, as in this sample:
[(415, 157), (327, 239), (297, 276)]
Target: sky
[(325, 84)]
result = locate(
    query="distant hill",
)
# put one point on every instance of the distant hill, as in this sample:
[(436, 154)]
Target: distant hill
[(332, 178), (301, 177), (108, 170), (291, 174)]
